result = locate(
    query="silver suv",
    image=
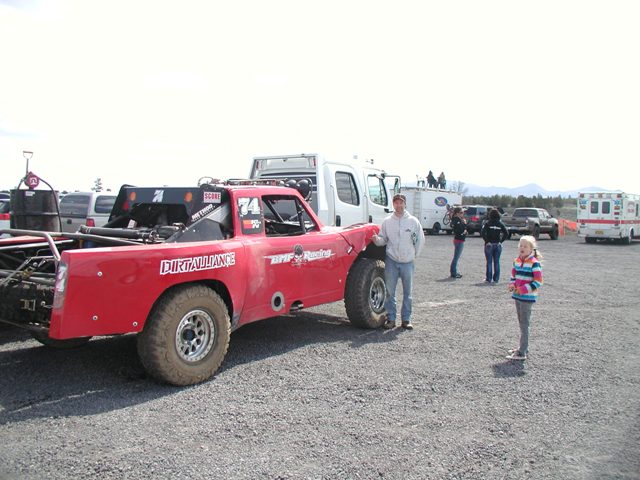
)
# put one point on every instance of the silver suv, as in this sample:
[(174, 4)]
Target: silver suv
[(85, 208)]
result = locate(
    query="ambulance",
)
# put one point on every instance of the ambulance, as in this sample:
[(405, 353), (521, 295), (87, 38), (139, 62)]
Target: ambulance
[(343, 191), (608, 216)]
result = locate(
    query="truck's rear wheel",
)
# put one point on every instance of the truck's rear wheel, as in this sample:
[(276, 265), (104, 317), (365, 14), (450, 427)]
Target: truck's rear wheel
[(436, 229), (365, 293), (186, 336), (44, 339)]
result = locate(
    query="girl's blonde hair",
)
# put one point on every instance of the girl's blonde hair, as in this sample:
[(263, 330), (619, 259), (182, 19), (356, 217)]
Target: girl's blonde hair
[(531, 241)]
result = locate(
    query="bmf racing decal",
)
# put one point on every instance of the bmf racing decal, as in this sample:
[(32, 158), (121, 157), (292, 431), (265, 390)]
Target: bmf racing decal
[(440, 201), (195, 264), (299, 256)]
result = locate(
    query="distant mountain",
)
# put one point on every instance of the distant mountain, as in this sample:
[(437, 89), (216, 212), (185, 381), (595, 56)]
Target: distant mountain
[(529, 190)]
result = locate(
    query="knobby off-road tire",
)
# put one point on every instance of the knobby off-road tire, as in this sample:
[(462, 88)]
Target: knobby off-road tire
[(61, 344), (365, 293), (186, 336)]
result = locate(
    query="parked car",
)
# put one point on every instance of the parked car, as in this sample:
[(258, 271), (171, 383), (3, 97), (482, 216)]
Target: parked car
[(85, 208), (532, 221), (5, 208), (475, 215)]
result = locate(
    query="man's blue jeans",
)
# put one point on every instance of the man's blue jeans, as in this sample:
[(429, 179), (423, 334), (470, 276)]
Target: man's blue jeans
[(404, 271), (492, 252), (457, 251)]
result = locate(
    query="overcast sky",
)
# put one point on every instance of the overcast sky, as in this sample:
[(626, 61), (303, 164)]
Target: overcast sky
[(157, 92)]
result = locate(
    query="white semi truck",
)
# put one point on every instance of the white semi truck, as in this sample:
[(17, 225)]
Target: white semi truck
[(344, 192)]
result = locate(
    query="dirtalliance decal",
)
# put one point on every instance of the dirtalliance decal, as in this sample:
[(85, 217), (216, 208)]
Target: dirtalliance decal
[(195, 264)]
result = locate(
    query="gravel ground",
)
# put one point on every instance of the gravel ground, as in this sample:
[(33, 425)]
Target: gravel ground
[(309, 396)]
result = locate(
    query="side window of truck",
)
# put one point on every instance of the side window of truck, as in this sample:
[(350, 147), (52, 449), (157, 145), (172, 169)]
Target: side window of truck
[(285, 216), (346, 188), (377, 190)]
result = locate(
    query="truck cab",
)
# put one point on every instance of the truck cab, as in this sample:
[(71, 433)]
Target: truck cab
[(342, 193)]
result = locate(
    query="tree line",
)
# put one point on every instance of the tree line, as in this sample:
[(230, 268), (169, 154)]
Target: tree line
[(507, 201)]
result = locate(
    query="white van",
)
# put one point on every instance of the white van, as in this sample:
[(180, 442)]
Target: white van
[(343, 192), (431, 206), (85, 208)]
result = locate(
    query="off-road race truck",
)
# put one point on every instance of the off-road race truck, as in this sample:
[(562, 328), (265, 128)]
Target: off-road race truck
[(531, 221), (184, 267)]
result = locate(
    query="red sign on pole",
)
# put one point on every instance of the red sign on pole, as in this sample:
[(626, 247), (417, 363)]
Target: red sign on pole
[(32, 180)]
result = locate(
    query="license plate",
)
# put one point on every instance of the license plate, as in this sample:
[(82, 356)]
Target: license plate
[(599, 232)]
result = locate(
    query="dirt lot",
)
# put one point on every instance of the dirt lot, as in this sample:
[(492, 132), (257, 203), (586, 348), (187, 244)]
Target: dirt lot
[(308, 396)]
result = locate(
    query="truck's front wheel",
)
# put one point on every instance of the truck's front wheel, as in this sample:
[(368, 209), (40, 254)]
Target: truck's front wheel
[(365, 293), (186, 336), (536, 232)]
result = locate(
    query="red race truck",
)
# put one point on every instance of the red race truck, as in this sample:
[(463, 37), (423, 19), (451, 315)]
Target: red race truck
[(183, 268)]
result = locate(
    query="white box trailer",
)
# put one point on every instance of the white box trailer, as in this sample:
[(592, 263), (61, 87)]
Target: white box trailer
[(343, 192), (608, 216), (431, 206)]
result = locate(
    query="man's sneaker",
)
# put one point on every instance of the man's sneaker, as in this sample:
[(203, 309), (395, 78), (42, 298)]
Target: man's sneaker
[(389, 324), (512, 350), (457, 275), (407, 325), (516, 356)]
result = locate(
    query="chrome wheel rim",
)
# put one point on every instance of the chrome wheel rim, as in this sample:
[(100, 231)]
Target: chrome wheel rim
[(377, 295), (195, 335)]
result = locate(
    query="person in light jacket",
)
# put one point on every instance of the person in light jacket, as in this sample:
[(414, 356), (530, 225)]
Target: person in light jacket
[(402, 233)]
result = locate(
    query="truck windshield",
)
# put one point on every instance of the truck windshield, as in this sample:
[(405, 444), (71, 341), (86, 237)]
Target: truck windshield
[(525, 212)]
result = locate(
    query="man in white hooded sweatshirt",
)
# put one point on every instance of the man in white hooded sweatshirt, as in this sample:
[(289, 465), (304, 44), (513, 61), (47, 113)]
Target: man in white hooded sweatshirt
[(402, 233)]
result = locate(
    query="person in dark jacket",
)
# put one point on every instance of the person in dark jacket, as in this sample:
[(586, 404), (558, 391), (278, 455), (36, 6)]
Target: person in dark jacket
[(494, 233), (431, 180), (459, 227)]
